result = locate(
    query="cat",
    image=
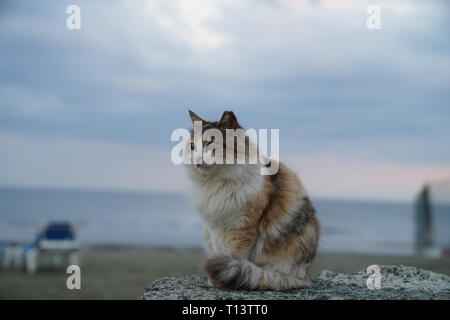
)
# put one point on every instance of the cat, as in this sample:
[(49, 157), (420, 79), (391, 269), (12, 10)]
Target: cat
[(261, 231)]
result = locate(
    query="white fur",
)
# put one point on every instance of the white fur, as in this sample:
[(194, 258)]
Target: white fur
[(220, 194)]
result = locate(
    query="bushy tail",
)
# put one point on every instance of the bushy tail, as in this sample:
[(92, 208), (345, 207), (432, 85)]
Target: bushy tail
[(235, 274)]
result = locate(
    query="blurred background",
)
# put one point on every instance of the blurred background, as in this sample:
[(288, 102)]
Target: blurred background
[(86, 117)]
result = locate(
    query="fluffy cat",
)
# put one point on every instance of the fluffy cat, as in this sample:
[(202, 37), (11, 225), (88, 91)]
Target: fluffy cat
[(261, 231)]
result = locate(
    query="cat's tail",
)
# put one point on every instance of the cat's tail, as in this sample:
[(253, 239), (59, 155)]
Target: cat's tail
[(236, 274)]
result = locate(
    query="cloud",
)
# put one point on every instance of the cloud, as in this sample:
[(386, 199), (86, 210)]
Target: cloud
[(309, 68), (91, 164), (331, 175), (189, 21)]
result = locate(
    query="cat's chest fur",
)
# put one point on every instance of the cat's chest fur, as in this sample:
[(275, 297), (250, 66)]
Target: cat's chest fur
[(222, 201)]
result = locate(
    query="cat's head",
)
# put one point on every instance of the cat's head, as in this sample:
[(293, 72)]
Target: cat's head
[(211, 141)]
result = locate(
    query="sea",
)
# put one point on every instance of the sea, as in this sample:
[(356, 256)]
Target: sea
[(169, 220)]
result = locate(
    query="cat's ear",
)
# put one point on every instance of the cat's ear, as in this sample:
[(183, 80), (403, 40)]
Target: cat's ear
[(229, 120), (194, 117)]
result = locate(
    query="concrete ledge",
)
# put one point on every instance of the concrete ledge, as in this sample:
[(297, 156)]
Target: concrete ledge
[(397, 282)]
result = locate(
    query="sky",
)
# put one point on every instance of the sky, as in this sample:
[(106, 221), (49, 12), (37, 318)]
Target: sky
[(362, 114)]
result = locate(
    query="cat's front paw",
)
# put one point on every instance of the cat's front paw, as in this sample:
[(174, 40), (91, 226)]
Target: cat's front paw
[(302, 284)]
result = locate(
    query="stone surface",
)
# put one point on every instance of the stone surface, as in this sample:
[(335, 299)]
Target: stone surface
[(397, 282)]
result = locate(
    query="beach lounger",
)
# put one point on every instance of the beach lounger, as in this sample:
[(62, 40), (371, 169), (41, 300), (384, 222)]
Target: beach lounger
[(56, 239)]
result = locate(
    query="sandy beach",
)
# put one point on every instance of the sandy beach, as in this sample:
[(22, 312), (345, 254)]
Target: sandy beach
[(112, 272)]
